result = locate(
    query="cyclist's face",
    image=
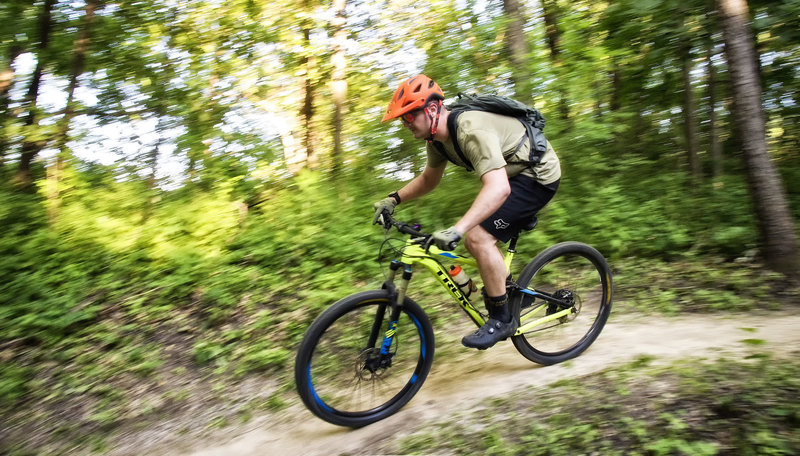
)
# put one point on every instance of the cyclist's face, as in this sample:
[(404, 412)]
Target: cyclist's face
[(417, 123)]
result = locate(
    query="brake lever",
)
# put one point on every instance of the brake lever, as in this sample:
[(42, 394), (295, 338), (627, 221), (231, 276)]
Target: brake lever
[(384, 221)]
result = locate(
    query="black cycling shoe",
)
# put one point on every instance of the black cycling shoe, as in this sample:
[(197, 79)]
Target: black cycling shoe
[(490, 333)]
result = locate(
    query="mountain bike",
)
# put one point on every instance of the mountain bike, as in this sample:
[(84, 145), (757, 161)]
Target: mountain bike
[(368, 354)]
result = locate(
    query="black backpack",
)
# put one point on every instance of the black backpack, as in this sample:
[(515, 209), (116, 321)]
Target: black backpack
[(531, 118)]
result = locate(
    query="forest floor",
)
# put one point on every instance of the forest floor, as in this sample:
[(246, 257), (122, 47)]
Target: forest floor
[(462, 382)]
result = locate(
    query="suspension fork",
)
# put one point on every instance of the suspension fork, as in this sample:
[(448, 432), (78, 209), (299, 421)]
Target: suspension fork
[(397, 294)]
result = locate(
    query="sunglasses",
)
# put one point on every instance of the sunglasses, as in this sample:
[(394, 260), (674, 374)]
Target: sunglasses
[(411, 115)]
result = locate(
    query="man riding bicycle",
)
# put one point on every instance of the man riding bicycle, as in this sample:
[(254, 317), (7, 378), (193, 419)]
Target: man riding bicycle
[(511, 193)]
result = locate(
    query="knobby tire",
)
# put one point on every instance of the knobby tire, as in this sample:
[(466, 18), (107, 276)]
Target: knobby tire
[(576, 273), (337, 375)]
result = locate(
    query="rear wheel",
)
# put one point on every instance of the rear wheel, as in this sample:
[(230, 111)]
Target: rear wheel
[(343, 373), (574, 280)]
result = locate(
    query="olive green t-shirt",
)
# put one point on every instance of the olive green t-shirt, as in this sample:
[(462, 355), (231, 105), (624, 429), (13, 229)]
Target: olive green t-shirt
[(489, 141)]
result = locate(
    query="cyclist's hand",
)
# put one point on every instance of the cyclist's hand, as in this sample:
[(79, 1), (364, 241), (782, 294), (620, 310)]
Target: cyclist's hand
[(387, 204), (445, 239)]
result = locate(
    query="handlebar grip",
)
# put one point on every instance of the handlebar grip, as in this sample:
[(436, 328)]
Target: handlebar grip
[(453, 245), (385, 220)]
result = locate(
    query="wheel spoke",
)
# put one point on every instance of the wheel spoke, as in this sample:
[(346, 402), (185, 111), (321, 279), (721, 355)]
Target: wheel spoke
[(347, 384), (571, 284)]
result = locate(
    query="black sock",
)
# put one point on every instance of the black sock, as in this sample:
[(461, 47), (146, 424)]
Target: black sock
[(498, 308)]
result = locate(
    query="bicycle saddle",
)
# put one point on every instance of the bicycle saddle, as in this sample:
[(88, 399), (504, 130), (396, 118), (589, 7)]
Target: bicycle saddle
[(530, 224)]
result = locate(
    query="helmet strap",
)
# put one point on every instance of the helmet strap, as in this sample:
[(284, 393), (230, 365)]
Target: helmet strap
[(435, 121)]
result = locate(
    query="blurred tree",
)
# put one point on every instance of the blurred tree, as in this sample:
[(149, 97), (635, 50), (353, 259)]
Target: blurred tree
[(338, 82), (34, 141), (553, 35), (774, 218), (715, 143), (308, 70), (656, 49), (518, 50), (690, 112), (776, 26), (7, 76), (80, 51), (12, 44)]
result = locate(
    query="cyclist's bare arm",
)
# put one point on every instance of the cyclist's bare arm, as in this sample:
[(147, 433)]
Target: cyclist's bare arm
[(422, 184)]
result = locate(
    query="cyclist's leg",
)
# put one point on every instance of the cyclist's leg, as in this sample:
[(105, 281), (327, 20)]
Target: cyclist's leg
[(527, 197), (482, 245), (491, 264)]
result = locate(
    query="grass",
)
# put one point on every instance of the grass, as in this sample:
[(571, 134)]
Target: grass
[(685, 408), (122, 370)]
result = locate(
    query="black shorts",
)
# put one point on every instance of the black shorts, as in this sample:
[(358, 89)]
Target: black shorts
[(527, 198)]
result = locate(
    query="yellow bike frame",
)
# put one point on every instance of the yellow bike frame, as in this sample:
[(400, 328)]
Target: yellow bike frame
[(413, 253)]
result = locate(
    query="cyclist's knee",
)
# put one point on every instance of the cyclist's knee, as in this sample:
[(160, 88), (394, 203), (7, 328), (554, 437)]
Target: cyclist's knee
[(478, 239)]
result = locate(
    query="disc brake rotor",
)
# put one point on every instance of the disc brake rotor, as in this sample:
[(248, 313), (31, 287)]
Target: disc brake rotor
[(569, 298)]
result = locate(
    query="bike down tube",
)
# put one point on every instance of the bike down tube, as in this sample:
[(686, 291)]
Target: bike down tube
[(413, 253)]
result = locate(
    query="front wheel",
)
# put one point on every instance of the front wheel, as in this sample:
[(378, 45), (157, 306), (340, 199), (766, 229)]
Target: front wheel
[(564, 303), (349, 373)]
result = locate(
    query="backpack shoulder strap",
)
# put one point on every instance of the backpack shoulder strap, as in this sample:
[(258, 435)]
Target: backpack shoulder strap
[(452, 130)]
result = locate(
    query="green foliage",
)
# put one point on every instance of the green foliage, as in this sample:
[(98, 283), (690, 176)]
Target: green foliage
[(684, 408), (681, 286), (118, 285), (114, 272), (13, 383)]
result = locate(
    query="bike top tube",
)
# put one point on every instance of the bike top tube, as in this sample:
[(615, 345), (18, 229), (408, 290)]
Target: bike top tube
[(415, 251)]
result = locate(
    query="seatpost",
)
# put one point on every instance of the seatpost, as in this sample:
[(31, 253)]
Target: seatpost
[(512, 244)]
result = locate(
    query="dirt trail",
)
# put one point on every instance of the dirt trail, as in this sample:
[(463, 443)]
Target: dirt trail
[(499, 371)]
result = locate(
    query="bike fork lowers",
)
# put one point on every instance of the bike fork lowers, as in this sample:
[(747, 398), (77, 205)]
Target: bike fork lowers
[(397, 294)]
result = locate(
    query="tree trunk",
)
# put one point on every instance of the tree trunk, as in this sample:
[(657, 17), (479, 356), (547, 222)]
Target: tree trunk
[(151, 195), (338, 83), (616, 86), (30, 146), (769, 197), (553, 35), (518, 50), (307, 110), (80, 49), (689, 115), (7, 75), (713, 120)]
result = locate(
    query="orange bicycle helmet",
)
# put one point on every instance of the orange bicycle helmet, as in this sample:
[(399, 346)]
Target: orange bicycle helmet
[(412, 94)]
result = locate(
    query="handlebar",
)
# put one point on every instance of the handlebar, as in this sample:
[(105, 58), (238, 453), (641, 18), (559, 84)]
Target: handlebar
[(387, 221)]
